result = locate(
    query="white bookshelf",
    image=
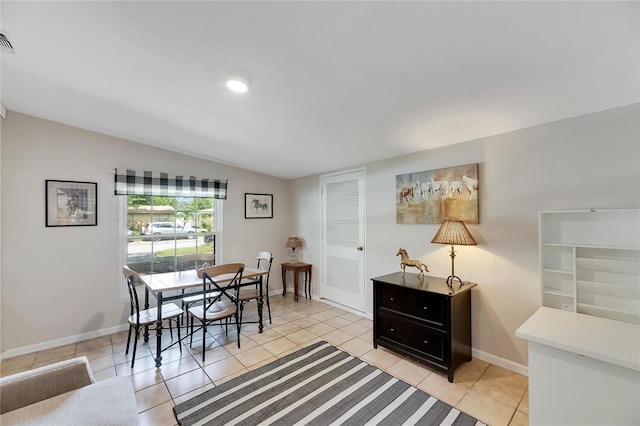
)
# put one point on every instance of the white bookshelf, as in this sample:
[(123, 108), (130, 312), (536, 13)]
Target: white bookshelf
[(590, 262)]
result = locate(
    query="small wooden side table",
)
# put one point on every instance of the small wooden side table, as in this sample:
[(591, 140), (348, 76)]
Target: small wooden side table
[(296, 268)]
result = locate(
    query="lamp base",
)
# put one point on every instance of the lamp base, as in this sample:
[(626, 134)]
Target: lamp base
[(293, 256), (450, 280)]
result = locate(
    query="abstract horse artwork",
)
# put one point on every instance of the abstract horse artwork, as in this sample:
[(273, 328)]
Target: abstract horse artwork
[(406, 194), (405, 261), (430, 196), (471, 185)]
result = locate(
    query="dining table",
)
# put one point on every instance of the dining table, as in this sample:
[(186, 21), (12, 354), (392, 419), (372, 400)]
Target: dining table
[(174, 282)]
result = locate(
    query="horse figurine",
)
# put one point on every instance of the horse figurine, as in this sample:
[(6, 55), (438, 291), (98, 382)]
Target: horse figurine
[(405, 261)]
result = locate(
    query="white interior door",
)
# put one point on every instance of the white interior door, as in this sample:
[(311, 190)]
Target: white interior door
[(343, 239)]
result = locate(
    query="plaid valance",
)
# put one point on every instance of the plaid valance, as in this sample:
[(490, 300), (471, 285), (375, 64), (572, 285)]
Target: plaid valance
[(161, 184)]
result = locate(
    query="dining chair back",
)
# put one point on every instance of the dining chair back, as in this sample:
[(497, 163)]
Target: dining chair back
[(265, 259), (139, 318), (190, 261), (225, 279)]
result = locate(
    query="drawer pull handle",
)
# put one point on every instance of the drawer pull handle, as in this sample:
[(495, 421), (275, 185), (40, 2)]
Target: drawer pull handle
[(391, 299), (425, 308), (426, 342), (392, 330)]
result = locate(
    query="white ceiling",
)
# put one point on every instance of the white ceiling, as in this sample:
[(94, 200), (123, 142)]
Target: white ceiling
[(333, 84)]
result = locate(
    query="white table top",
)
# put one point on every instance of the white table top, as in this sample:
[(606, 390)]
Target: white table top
[(168, 281), (615, 342)]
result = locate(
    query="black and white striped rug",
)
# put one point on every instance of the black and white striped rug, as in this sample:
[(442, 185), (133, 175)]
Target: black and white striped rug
[(318, 385)]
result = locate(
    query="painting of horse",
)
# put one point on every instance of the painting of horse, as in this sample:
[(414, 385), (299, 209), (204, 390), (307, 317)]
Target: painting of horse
[(433, 196), (258, 206)]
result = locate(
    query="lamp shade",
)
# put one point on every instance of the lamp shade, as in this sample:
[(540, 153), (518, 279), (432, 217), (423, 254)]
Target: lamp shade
[(293, 242), (454, 232)]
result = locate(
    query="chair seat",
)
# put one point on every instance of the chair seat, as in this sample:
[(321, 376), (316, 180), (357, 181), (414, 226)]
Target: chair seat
[(217, 310), (248, 294), (149, 316), (198, 297)]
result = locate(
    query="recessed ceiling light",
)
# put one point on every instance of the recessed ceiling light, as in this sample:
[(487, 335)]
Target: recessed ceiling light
[(237, 83)]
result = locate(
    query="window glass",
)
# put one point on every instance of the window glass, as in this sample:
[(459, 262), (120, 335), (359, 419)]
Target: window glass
[(161, 228)]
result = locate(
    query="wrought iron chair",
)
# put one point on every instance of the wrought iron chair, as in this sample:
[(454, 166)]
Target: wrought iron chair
[(247, 294), (217, 309), (142, 317)]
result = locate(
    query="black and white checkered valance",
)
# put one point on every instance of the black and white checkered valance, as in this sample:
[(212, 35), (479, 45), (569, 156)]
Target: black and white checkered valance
[(161, 184)]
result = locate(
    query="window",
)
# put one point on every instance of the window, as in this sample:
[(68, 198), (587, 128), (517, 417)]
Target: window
[(160, 228)]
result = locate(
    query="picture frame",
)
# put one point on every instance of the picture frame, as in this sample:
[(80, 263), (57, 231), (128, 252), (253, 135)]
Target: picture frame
[(432, 196), (71, 203), (258, 206)]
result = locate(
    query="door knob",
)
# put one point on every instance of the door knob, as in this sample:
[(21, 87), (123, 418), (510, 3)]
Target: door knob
[(360, 248)]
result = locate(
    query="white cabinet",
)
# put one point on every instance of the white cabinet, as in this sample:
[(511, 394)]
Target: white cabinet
[(590, 262), (583, 370)]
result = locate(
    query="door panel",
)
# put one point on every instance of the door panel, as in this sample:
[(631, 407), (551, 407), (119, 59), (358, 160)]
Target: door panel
[(343, 239)]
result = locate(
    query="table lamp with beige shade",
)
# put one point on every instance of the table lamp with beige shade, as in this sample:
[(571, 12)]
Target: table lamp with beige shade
[(453, 232), (292, 244)]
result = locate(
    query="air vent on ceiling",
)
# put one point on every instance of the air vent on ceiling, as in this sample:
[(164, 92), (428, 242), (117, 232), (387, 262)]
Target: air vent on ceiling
[(5, 44)]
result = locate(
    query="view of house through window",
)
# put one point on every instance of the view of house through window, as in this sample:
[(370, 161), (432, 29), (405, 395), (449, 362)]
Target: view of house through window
[(161, 228)]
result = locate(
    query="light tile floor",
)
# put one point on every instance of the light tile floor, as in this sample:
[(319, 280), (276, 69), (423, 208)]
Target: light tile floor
[(490, 393)]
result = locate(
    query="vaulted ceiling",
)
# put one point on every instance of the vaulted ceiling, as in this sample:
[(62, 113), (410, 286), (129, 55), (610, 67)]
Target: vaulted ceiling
[(333, 84)]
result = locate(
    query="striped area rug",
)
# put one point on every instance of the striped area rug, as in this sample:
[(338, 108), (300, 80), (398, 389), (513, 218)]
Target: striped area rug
[(318, 385)]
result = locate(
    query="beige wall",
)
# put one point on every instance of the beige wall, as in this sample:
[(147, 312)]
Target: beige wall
[(583, 162), (62, 284), (1, 345)]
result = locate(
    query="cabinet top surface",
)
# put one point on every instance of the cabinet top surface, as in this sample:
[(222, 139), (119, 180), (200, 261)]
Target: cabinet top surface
[(426, 283)]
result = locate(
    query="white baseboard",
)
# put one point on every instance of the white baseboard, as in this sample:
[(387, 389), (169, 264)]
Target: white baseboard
[(275, 293), (64, 341), (77, 338), (501, 362), (484, 356), (344, 308)]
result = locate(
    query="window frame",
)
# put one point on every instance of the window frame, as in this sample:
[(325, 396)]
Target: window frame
[(125, 238)]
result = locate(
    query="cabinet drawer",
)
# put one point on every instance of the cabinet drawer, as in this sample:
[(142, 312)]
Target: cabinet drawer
[(412, 335), (424, 306)]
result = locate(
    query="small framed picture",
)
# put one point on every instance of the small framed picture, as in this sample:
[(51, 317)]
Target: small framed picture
[(258, 206), (71, 203)]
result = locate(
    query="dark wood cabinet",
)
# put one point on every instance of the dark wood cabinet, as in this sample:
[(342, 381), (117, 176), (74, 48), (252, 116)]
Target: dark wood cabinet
[(423, 319)]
